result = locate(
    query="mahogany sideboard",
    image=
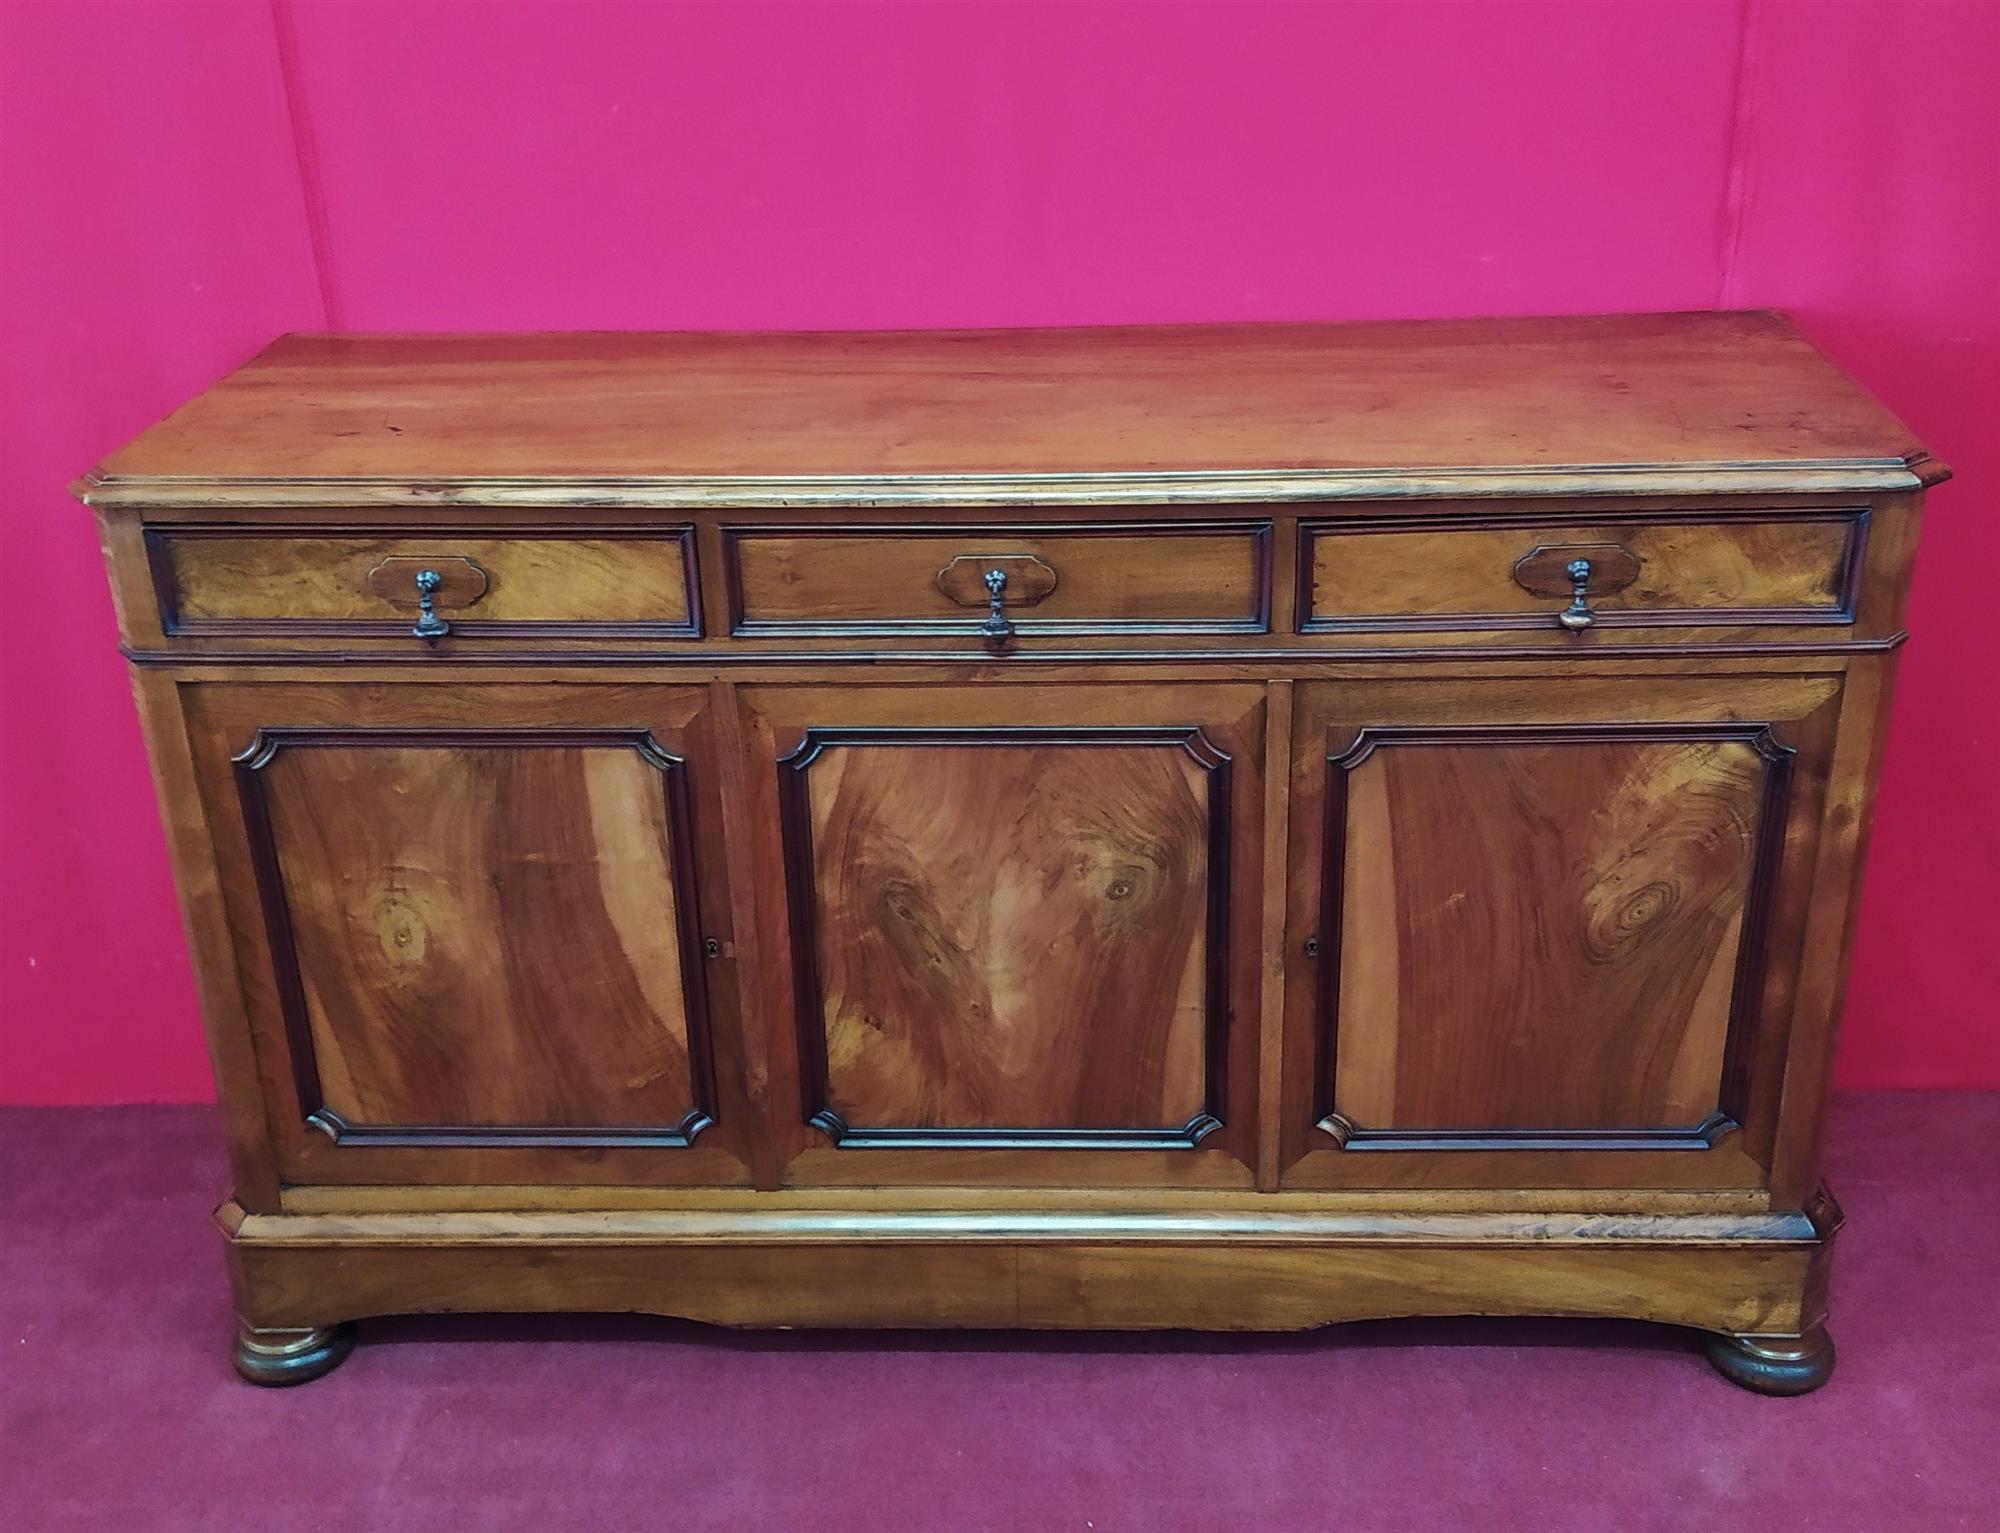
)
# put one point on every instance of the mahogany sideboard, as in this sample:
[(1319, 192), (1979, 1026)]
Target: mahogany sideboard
[(1240, 827)]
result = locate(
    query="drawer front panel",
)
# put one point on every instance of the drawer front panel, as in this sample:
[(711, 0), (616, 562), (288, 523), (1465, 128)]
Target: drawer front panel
[(1416, 573), (600, 583), (1138, 578)]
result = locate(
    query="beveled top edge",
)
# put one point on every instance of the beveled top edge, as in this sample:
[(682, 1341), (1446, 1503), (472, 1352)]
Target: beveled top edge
[(1220, 487)]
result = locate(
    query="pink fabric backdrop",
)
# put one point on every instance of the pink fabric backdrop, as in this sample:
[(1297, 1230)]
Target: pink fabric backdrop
[(181, 180)]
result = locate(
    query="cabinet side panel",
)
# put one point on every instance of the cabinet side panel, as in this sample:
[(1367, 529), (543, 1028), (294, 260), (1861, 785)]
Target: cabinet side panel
[(253, 1154)]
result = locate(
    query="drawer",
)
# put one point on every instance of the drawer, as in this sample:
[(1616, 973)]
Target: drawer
[(1111, 578), (1434, 573), (586, 582)]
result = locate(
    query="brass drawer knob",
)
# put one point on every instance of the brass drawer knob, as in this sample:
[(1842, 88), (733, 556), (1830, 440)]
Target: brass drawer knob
[(429, 624), (996, 628), (1577, 615)]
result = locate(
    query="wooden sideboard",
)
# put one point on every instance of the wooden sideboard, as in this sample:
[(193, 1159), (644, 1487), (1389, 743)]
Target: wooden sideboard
[(1239, 827)]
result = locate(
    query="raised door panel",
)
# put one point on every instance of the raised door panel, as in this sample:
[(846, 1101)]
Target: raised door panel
[(476, 950), (1012, 934), (458, 907), (1548, 928), (1010, 931), (1558, 960)]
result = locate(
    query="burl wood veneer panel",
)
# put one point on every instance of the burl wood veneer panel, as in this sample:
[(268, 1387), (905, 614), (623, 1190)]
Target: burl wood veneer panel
[(1794, 569), (226, 580), (482, 936), (1137, 576), (1014, 935), (1542, 929)]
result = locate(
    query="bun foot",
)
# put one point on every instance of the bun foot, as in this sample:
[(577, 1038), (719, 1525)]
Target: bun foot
[(291, 1356), (1774, 1365)]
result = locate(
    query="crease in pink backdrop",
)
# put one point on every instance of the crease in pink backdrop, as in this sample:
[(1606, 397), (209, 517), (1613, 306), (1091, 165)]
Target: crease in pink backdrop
[(181, 180)]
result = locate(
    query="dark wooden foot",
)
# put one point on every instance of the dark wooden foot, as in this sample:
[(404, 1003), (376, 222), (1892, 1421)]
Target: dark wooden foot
[(276, 1357), (1774, 1365)]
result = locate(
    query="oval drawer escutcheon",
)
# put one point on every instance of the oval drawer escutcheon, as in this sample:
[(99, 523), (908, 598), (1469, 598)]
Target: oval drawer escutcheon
[(1029, 579), (460, 581), (1545, 571)]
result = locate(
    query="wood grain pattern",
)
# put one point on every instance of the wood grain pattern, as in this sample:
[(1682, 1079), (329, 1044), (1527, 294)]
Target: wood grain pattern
[(1792, 570), (1708, 389), (1012, 932), (1568, 958), (1136, 576), (484, 935), (227, 580)]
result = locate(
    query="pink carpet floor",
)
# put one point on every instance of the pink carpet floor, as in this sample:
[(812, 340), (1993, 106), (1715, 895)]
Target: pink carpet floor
[(118, 1408)]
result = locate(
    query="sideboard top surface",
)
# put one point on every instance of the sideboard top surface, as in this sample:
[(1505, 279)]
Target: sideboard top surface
[(1419, 407)]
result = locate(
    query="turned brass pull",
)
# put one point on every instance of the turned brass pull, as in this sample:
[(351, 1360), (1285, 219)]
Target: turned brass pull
[(996, 627), (1577, 615), (429, 624)]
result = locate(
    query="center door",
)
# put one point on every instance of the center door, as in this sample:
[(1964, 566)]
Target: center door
[(1016, 941)]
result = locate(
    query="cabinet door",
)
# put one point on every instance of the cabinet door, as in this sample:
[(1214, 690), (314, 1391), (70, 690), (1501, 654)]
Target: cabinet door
[(1018, 930), (472, 922), (1545, 931)]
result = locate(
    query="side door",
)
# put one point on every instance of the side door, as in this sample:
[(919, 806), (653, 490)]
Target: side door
[(477, 926), (1545, 930)]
